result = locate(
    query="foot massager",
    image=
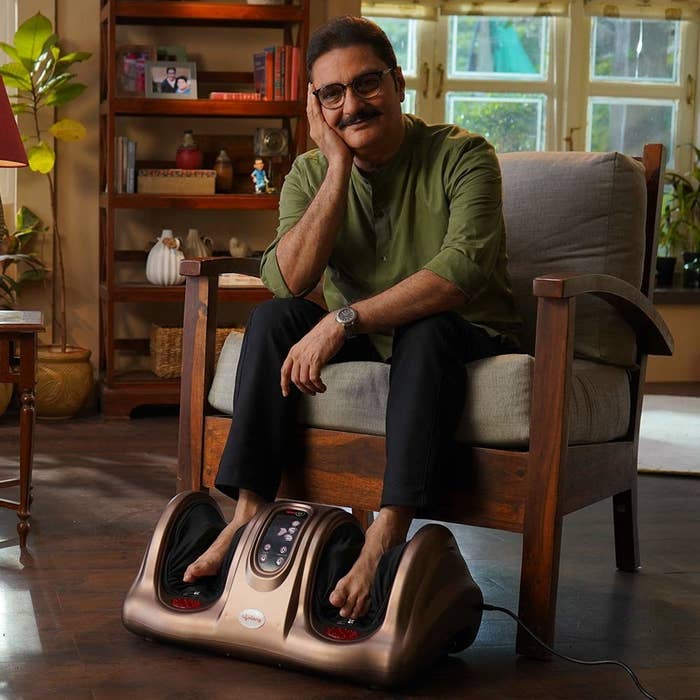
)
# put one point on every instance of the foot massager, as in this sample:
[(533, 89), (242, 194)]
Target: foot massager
[(269, 603)]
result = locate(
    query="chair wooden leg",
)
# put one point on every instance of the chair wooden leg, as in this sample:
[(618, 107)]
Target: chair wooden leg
[(366, 517), (538, 589), (626, 533)]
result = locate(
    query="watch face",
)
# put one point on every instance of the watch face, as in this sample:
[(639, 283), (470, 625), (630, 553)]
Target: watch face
[(346, 316)]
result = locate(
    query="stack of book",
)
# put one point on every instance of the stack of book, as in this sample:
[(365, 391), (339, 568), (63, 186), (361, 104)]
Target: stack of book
[(276, 71), (124, 165)]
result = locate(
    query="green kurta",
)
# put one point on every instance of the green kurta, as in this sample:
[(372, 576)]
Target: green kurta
[(435, 206)]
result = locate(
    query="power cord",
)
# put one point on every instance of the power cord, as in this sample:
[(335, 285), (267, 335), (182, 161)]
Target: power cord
[(569, 658)]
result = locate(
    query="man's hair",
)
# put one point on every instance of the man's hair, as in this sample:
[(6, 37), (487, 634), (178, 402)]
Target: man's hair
[(342, 32)]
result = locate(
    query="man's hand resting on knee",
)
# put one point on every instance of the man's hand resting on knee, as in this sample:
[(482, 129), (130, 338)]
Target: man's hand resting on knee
[(310, 355)]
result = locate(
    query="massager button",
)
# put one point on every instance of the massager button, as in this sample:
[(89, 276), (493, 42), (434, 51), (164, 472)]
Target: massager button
[(279, 561), (283, 549), (296, 523), (267, 547), (283, 531), (288, 538), (292, 530), (342, 634), (186, 603), (262, 557)]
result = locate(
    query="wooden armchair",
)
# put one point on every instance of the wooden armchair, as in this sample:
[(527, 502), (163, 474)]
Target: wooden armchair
[(556, 205)]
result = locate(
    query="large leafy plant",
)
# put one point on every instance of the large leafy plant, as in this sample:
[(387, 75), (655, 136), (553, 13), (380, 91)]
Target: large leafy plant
[(41, 73), (680, 216), (15, 251)]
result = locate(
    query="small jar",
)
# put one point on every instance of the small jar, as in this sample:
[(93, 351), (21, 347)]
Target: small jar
[(188, 156), (224, 172)]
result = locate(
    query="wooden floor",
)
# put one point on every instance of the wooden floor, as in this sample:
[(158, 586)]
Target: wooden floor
[(100, 487)]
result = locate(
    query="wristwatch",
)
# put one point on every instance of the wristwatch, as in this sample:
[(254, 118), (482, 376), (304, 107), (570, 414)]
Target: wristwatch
[(347, 318)]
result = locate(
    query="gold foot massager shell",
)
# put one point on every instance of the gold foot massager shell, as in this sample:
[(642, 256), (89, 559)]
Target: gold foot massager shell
[(269, 604)]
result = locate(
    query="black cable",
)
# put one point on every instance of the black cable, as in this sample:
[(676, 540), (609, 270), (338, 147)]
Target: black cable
[(569, 658)]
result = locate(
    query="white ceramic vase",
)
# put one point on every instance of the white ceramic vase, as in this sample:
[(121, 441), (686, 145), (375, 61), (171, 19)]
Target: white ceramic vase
[(163, 262), (197, 246)]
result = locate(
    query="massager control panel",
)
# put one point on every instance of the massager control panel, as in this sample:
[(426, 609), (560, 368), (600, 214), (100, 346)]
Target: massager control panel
[(279, 538)]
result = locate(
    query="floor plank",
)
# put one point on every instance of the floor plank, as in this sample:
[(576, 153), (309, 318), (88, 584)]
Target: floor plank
[(99, 488)]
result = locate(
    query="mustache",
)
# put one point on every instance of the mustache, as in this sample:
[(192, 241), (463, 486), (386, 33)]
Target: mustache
[(361, 115)]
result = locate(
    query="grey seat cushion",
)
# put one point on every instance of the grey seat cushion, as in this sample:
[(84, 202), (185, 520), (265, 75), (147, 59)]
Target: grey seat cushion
[(497, 406)]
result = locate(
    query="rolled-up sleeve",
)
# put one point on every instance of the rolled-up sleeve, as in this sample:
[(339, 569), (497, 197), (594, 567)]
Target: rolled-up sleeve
[(475, 232), (294, 201)]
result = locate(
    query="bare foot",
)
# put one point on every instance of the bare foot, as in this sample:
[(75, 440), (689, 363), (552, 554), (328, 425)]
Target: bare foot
[(209, 563), (351, 593)]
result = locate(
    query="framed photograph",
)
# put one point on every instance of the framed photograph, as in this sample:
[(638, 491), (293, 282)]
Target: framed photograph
[(131, 69), (171, 80)]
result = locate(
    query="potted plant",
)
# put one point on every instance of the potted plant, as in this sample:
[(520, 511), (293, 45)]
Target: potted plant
[(40, 71), (679, 230)]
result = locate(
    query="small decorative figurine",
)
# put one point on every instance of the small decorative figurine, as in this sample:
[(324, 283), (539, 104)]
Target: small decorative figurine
[(238, 248), (259, 177), (163, 262), (197, 246)]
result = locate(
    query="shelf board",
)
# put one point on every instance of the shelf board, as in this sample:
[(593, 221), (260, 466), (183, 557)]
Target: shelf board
[(163, 107), (677, 296), (218, 202), (176, 293), (202, 13)]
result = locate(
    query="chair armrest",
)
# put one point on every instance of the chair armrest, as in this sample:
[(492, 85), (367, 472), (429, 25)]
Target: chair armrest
[(213, 267), (653, 335)]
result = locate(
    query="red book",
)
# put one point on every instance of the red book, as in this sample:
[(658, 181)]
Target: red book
[(288, 74), (296, 70), (269, 74)]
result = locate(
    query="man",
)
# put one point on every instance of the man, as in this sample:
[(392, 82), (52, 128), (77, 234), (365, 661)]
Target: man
[(404, 220), (169, 84), (259, 176)]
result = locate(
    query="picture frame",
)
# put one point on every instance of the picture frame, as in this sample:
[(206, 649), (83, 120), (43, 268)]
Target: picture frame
[(164, 80), (131, 62)]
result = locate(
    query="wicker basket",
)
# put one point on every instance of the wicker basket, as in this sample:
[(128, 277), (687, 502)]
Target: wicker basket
[(166, 348)]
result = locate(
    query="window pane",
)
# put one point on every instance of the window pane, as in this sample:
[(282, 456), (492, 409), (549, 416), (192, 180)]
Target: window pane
[(625, 125), (402, 35), (511, 122), (506, 47), (409, 104), (635, 50)]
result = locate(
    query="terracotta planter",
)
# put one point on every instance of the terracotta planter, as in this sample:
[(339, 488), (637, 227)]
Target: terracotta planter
[(5, 396), (64, 381)]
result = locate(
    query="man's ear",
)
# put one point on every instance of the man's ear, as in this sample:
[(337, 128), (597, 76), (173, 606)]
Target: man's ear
[(400, 82)]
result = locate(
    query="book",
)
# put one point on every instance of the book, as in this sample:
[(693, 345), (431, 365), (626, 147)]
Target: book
[(296, 70), (288, 75), (130, 177), (259, 77), (236, 279), (278, 73)]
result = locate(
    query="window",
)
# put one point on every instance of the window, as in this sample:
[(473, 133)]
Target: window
[(557, 82)]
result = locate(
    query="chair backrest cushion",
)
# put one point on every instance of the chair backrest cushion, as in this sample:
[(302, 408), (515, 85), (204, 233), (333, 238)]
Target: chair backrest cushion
[(575, 212)]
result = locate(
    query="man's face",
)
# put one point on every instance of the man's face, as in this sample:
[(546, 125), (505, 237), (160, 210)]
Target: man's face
[(361, 123), (171, 73), (259, 165)]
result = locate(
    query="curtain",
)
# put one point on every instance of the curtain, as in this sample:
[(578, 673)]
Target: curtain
[(645, 9), (480, 8)]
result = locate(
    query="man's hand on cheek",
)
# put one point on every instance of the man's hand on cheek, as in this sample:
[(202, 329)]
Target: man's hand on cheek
[(306, 359), (328, 141)]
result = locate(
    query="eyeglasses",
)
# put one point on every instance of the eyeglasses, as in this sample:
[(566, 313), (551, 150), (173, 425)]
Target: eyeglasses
[(365, 86)]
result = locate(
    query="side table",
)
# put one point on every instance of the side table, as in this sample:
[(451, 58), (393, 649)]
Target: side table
[(18, 354)]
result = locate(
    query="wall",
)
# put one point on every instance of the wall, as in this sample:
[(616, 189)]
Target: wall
[(684, 365)]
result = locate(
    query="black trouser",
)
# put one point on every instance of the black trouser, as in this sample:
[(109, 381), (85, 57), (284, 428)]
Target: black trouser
[(426, 398)]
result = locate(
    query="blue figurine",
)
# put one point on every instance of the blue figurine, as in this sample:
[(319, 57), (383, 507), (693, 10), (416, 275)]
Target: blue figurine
[(259, 177)]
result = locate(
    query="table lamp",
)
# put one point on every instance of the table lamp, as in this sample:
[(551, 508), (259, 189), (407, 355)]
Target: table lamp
[(12, 153)]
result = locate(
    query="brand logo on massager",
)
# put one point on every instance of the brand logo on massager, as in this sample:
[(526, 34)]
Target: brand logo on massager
[(251, 618)]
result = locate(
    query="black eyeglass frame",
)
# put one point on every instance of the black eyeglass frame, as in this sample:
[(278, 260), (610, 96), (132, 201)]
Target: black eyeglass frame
[(379, 73)]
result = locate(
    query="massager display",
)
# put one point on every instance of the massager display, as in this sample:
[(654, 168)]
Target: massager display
[(270, 603)]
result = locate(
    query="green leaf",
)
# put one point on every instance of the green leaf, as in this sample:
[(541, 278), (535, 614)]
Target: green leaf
[(73, 57), (49, 44), (68, 130), (19, 108), (64, 94), (31, 36), (55, 82), (16, 75), (11, 51), (34, 274), (41, 158), (26, 219)]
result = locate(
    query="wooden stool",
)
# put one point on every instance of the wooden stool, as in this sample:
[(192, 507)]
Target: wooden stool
[(18, 330)]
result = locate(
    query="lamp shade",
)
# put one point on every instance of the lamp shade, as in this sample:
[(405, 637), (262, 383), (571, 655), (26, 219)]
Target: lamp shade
[(12, 153)]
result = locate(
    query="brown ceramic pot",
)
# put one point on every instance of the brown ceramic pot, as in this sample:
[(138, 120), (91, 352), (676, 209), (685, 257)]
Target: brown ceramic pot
[(64, 381)]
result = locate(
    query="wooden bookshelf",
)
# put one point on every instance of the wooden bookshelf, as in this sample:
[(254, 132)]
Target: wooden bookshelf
[(121, 390)]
